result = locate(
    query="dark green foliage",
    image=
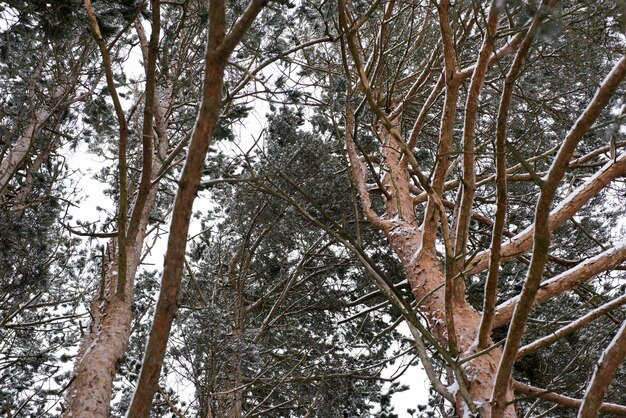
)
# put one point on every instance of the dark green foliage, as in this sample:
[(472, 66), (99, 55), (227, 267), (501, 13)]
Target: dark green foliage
[(386, 408), (289, 350), (38, 318)]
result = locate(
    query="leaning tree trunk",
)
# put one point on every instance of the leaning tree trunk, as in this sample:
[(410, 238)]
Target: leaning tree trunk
[(89, 394), (20, 151), (61, 98), (90, 391), (427, 280)]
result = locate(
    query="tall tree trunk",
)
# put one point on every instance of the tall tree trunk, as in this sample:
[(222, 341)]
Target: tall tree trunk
[(89, 394), (427, 280), (90, 391), (220, 45), (424, 271), (235, 404)]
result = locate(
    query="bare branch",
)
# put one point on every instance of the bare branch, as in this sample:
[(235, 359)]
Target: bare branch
[(469, 161), (541, 238), (145, 183), (610, 361), (522, 242), (123, 145), (567, 280), (562, 400), (571, 327)]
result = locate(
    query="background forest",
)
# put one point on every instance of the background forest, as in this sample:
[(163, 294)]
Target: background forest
[(281, 208)]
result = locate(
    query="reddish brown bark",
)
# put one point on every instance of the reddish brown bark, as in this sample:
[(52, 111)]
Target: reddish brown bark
[(452, 321), (106, 341), (219, 47), (609, 363), (564, 211), (565, 401), (541, 238)]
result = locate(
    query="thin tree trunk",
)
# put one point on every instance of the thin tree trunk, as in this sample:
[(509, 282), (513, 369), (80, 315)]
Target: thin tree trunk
[(219, 47), (20, 150), (235, 404)]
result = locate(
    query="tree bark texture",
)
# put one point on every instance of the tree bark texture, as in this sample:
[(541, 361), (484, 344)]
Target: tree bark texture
[(220, 45), (438, 286), (89, 394), (106, 341)]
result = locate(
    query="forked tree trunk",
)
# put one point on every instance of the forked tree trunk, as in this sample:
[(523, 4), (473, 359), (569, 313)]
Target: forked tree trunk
[(424, 271), (90, 391), (427, 281), (89, 394)]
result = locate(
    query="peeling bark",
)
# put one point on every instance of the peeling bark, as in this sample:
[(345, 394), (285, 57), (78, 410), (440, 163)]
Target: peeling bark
[(109, 331), (424, 271), (426, 279), (89, 394)]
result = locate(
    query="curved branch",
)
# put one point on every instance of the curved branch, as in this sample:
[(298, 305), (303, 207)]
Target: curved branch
[(462, 222), (89, 234), (610, 361), (563, 400), (541, 237), (359, 173)]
